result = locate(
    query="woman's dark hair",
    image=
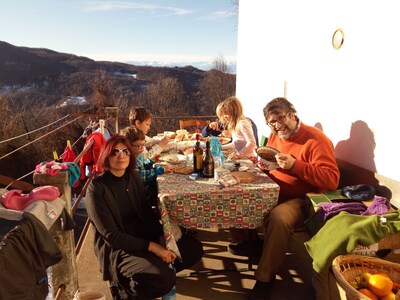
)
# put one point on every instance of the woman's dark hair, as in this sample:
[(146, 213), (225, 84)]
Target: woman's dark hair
[(102, 162), (140, 114)]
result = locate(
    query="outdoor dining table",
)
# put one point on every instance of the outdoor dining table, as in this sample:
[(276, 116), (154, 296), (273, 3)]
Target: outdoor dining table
[(204, 203)]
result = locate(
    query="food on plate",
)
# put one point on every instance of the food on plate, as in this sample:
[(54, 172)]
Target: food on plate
[(170, 134), (173, 158), (267, 160), (181, 135), (182, 146), (267, 153), (185, 170), (182, 131), (243, 177), (180, 138)]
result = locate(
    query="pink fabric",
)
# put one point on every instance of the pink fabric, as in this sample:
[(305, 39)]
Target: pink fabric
[(17, 200), (52, 167)]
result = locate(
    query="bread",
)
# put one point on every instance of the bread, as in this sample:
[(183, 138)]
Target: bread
[(181, 137), (170, 134), (185, 170)]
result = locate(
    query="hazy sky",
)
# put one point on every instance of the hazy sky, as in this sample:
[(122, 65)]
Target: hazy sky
[(130, 30)]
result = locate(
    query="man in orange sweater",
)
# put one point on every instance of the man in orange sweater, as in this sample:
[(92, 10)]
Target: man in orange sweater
[(306, 164)]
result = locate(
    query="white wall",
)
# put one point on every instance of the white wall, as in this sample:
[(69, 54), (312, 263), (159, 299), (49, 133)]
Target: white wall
[(291, 40)]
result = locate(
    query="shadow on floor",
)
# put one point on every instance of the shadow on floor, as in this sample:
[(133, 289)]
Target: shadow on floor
[(229, 277), (225, 282)]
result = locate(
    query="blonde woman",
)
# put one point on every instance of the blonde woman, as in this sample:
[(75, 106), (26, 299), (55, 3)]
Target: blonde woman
[(230, 113)]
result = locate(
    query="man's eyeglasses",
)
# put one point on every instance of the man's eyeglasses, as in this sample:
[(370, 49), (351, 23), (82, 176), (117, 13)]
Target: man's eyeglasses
[(139, 145), (279, 120), (118, 152)]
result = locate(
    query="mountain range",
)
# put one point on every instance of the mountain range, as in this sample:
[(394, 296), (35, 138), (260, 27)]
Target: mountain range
[(201, 65), (53, 75)]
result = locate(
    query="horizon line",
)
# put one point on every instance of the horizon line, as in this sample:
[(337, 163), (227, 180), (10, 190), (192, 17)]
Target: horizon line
[(140, 57)]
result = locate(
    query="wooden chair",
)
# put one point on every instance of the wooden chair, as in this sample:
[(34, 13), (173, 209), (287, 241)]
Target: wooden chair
[(192, 125)]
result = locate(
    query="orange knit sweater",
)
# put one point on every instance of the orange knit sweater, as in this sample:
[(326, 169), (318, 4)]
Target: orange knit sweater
[(315, 169)]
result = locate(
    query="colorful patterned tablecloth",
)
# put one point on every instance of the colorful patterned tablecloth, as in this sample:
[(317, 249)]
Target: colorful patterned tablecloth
[(202, 203)]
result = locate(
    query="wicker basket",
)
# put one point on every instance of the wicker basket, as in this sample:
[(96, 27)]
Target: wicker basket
[(347, 267)]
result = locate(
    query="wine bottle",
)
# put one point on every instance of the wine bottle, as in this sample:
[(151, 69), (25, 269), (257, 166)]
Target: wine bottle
[(208, 162), (197, 156)]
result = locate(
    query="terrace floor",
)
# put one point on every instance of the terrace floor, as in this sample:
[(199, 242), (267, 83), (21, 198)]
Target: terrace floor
[(225, 282)]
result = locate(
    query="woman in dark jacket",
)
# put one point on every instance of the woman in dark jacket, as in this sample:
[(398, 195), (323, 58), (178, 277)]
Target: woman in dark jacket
[(127, 233)]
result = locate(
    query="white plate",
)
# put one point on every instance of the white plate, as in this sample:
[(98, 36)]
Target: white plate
[(173, 158)]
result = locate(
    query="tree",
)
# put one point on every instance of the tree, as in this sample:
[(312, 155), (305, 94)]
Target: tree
[(215, 87), (235, 4), (165, 98), (101, 95), (220, 64)]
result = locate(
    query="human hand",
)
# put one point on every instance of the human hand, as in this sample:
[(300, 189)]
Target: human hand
[(166, 255), (285, 161), (213, 125), (165, 141), (168, 168), (233, 156)]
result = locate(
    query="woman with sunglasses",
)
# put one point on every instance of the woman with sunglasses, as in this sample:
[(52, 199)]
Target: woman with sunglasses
[(127, 233)]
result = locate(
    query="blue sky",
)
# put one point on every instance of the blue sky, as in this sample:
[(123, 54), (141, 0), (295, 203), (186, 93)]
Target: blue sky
[(130, 30)]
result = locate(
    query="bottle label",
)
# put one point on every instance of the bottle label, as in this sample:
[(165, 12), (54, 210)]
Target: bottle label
[(198, 163), (208, 170)]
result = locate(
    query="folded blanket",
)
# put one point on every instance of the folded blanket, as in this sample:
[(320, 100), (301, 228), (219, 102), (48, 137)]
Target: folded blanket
[(344, 232)]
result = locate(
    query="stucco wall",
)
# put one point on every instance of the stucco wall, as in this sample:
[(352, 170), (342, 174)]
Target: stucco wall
[(285, 49)]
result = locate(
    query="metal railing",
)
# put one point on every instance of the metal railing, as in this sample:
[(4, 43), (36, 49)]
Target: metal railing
[(64, 280)]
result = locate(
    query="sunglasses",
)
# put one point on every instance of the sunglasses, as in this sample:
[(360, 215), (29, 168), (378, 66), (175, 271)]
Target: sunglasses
[(118, 152)]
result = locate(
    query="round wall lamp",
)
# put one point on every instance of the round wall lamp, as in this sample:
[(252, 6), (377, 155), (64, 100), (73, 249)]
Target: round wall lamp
[(338, 38)]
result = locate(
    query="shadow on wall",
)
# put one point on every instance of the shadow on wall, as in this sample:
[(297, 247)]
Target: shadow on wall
[(359, 148), (355, 156), (319, 126)]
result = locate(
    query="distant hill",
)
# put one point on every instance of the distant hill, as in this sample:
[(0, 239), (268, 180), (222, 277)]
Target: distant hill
[(39, 86), (58, 75), (201, 65)]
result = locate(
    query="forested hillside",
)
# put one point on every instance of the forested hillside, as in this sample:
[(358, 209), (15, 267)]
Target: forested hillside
[(35, 82)]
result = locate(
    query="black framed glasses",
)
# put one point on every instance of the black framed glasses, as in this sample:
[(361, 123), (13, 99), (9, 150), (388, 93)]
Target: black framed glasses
[(280, 120), (118, 152), (139, 146)]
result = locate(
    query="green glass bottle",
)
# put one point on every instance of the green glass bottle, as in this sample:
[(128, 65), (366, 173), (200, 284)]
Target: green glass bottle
[(208, 162), (198, 157)]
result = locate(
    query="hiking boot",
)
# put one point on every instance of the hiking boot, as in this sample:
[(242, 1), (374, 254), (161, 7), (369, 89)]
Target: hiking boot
[(261, 290)]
